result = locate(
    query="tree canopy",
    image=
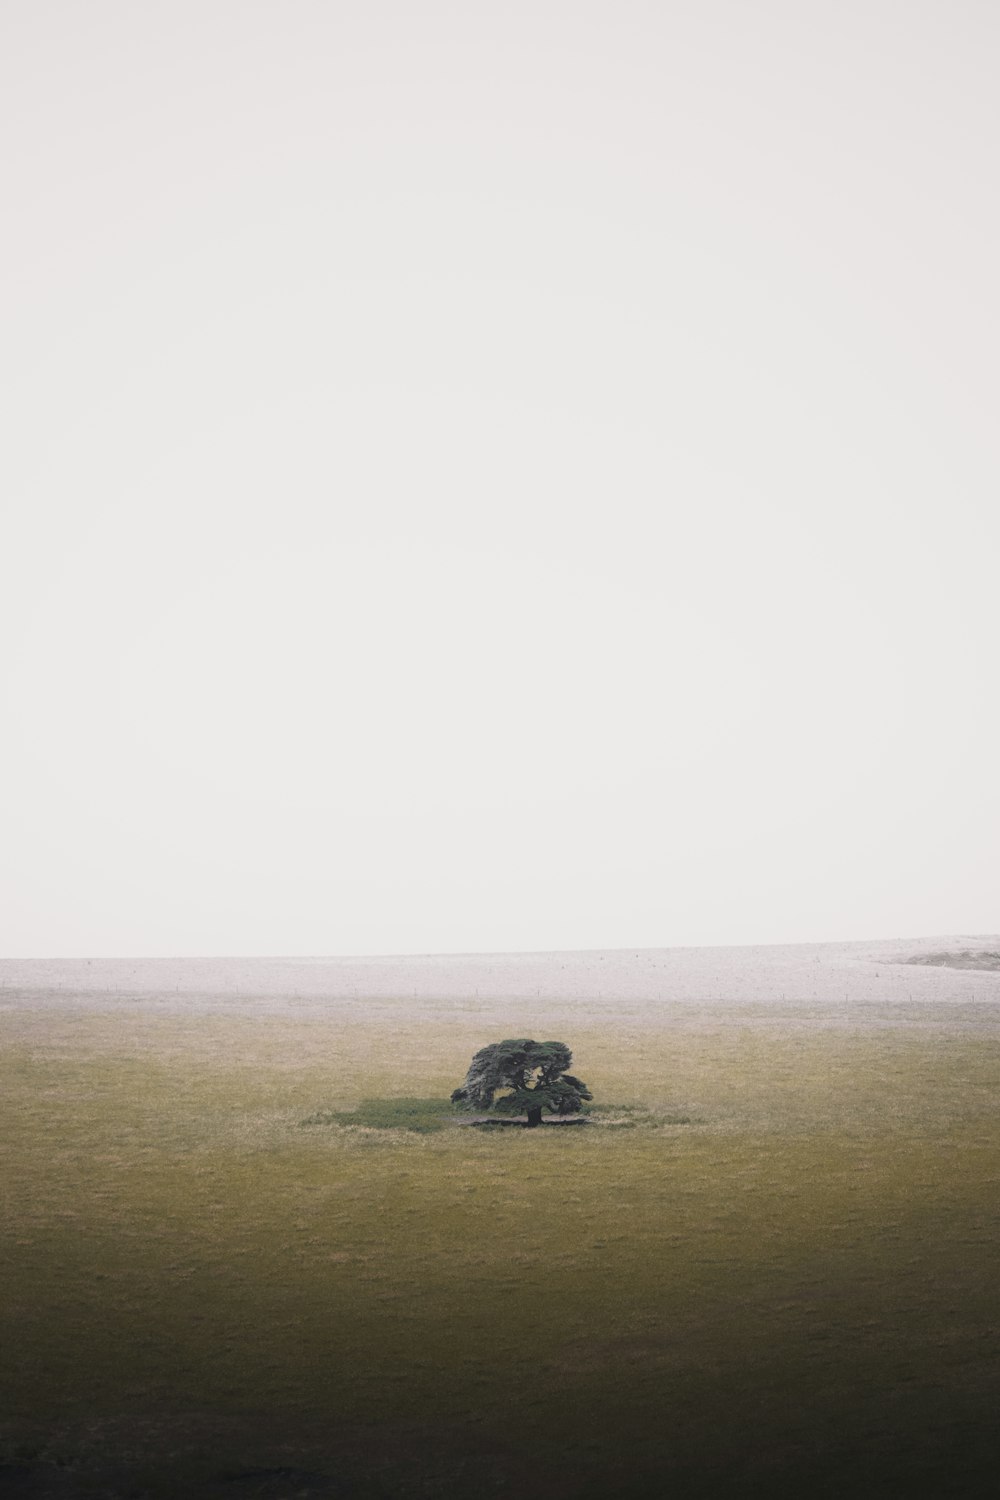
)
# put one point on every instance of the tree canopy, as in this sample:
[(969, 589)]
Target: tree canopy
[(520, 1076)]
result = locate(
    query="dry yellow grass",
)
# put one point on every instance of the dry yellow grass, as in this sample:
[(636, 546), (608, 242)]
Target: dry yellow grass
[(796, 1293)]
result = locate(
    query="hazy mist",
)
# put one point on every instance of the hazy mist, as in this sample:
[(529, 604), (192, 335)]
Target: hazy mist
[(486, 477)]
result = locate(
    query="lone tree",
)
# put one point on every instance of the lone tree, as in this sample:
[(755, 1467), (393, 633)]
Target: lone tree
[(520, 1075)]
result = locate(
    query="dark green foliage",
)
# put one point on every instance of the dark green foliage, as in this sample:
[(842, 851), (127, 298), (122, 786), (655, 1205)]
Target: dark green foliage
[(420, 1116), (520, 1076)]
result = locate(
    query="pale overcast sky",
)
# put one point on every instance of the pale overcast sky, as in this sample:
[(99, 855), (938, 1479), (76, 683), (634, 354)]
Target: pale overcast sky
[(490, 476)]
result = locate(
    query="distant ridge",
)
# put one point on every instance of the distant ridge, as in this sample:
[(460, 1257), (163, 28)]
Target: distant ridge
[(965, 958), (889, 970)]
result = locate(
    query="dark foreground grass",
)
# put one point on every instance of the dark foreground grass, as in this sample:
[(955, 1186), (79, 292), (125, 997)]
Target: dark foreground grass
[(782, 1280)]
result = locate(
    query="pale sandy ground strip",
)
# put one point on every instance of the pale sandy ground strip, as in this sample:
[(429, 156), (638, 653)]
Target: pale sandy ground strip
[(640, 981)]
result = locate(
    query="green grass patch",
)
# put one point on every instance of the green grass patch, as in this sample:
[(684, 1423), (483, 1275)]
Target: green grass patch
[(427, 1116), (419, 1116)]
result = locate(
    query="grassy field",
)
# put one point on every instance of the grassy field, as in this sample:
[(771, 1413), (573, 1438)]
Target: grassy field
[(795, 1293)]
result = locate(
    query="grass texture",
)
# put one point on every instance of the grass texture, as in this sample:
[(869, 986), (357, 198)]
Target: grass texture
[(770, 1265)]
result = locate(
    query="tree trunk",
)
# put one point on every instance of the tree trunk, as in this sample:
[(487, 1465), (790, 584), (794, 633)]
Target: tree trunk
[(534, 1116)]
